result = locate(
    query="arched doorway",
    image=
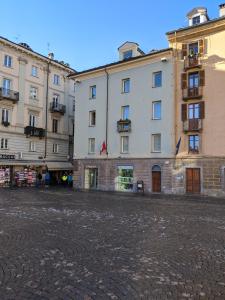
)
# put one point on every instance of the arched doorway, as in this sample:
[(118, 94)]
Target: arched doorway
[(156, 179)]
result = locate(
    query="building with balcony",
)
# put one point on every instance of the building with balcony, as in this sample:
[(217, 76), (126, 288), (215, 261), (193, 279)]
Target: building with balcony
[(36, 110), (124, 122), (200, 117)]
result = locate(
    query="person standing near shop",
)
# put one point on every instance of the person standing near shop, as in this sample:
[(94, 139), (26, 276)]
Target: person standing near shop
[(47, 178), (70, 180)]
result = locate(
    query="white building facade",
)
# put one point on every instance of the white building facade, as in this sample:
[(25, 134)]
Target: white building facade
[(36, 109), (125, 123)]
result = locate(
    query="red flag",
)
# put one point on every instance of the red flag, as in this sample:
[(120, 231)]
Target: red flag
[(104, 148)]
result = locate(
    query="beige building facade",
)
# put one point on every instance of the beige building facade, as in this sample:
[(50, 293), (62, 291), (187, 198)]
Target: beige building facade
[(37, 113), (200, 114)]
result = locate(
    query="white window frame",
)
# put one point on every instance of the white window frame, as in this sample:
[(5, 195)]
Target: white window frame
[(56, 79), (55, 148), (32, 120), (7, 61), (154, 144), (122, 144), (53, 126), (153, 110), (91, 146), (34, 71), (124, 81), (4, 144), (32, 146), (33, 92), (123, 109), (91, 123), (153, 79), (56, 100), (92, 96)]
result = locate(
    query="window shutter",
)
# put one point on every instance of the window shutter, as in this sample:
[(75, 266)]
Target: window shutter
[(184, 51), (201, 47), (184, 81), (202, 110), (202, 77), (184, 112), (3, 115)]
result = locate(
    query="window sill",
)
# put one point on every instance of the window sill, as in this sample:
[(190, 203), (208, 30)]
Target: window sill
[(125, 92), (155, 87), (156, 119), (35, 99), (156, 151), (8, 67), (92, 126), (92, 98), (3, 149)]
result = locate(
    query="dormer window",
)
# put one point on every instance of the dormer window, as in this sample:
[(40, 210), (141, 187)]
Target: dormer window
[(196, 20), (127, 54)]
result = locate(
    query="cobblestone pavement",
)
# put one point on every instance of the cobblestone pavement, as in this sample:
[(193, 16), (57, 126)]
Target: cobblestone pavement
[(59, 244)]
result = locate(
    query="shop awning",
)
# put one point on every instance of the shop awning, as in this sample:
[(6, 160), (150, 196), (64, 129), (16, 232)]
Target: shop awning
[(55, 166), (21, 163)]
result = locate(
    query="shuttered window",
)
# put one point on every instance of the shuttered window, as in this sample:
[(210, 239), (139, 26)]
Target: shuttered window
[(184, 81), (184, 112)]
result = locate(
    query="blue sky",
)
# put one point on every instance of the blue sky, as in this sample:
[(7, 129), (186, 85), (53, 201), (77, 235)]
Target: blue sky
[(87, 33)]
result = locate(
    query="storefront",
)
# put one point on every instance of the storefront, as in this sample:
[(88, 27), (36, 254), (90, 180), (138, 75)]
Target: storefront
[(57, 170), (125, 178)]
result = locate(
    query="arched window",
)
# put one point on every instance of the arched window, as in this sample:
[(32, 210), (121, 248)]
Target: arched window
[(156, 168)]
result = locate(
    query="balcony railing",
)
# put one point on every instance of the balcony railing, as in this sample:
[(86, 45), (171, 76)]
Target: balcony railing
[(5, 123), (192, 125), (57, 108), (34, 131), (192, 61), (193, 93), (6, 94), (124, 125)]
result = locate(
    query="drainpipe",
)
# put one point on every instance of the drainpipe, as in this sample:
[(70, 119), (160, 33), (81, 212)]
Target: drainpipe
[(46, 109), (107, 110)]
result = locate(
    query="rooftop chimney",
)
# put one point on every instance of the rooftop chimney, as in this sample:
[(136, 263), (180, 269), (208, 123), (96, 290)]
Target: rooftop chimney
[(222, 10), (51, 55)]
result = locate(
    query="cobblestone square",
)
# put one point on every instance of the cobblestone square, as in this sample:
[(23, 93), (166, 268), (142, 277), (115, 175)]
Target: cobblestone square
[(60, 244)]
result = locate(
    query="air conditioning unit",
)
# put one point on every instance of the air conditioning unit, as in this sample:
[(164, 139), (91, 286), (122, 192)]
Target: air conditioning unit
[(20, 155)]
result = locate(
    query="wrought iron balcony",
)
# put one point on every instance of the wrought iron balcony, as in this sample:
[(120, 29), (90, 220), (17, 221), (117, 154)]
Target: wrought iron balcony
[(5, 123), (192, 93), (124, 125), (57, 108), (34, 131), (192, 61), (192, 125), (6, 94)]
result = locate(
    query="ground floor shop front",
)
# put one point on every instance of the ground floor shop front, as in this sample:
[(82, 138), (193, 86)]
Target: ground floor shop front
[(172, 176), (31, 173)]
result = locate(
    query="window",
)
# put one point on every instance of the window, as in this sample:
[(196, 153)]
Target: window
[(156, 110), (193, 80), (34, 71), (92, 118), (55, 148), (196, 20), (193, 143), (32, 120), (194, 111), (55, 125), (193, 49), (6, 86), (125, 112), (32, 146), (157, 79), (124, 144), (55, 100), (5, 115), (56, 79), (33, 93), (127, 54), (8, 61), (93, 92), (4, 143), (91, 145), (156, 143), (126, 85)]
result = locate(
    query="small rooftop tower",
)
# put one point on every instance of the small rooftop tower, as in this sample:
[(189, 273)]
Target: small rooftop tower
[(128, 50), (197, 16), (222, 10)]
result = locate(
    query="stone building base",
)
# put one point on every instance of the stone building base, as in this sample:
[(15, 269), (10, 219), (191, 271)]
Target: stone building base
[(173, 174)]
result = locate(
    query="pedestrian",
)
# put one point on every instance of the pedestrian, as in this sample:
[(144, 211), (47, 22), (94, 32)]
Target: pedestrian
[(39, 179), (43, 179), (64, 179), (47, 179), (70, 180)]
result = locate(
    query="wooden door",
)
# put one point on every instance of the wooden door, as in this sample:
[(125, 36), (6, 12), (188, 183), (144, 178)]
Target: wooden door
[(193, 181), (156, 181)]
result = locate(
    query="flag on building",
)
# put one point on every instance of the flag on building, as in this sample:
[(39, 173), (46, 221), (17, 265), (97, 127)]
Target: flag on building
[(103, 148), (178, 146)]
